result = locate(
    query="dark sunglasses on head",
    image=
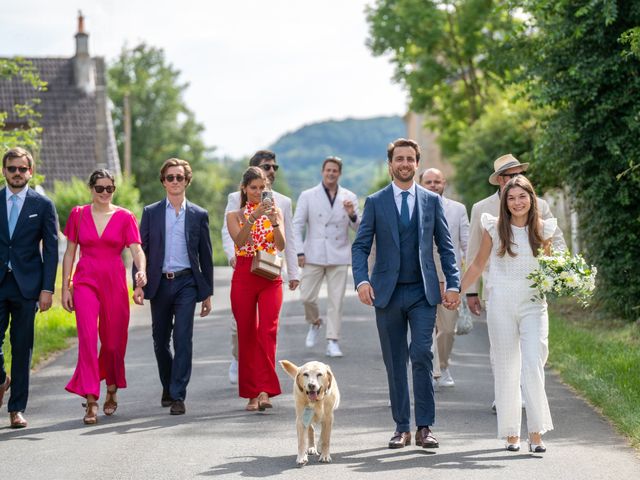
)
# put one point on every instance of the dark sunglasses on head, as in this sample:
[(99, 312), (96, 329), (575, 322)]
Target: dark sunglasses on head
[(269, 166), (102, 188), (513, 175), (177, 178), (264, 156), (14, 169)]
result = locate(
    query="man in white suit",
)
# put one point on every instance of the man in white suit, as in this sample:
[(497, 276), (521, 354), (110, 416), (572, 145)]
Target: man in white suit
[(327, 211), (458, 221), (265, 159)]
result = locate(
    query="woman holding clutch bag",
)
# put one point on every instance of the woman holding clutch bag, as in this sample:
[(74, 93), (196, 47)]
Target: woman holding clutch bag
[(256, 300)]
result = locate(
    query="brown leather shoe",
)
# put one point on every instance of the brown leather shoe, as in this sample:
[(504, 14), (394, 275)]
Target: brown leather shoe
[(17, 420), (425, 438), (166, 399), (400, 439), (177, 408), (4, 387)]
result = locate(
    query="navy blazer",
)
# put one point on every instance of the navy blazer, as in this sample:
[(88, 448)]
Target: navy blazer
[(380, 220), (196, 227), (33, 269)]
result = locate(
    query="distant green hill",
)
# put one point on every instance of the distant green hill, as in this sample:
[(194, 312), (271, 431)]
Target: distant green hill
[(362, 145)]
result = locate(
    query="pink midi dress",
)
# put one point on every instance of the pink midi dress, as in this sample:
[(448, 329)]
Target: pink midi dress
[(100, 298)]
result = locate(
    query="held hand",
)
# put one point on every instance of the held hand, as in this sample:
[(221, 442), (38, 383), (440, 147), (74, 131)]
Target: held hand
[(206, 307), (45, 301), (293, 284), (138, 296), (301, 261), (349, 207), (67, 300), (141, 279), (451, 300), (474, 305), (365, 293)]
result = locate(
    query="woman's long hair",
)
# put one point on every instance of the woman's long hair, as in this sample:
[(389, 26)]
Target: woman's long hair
[(249, 175), (504, 220)]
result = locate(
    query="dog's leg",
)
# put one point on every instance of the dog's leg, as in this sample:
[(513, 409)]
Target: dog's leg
[(302, 444), (325, 436), (312, 441)]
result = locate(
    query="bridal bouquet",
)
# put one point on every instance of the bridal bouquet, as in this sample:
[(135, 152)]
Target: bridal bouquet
[(563, 275)]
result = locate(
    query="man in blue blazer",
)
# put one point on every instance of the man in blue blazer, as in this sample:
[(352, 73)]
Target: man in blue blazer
[(406, 220), (27, 275), (177, 244)]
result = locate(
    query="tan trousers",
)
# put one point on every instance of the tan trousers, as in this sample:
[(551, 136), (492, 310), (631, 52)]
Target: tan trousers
[(446, 325), (310, 283)]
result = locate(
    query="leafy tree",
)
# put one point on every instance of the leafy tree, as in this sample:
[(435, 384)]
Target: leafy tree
[(447, 53), (583, 61), (162, 126), (27, 135)]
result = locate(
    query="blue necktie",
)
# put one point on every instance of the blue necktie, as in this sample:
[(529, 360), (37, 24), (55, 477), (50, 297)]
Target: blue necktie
[(404, 210), (13, 214)]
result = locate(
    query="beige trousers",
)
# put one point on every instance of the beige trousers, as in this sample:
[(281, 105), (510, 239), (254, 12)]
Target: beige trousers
[(310, 283), (446, 326)]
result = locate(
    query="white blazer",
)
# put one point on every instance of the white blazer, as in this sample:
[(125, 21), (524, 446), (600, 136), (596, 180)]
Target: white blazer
[(283, 203), (458, 221), (491, 205), (327, 239)]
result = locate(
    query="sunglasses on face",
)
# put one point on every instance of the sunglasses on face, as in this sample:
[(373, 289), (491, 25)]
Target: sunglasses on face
[(177, 178), (102, 188), (269, 166), (512, 175), (13, 169)]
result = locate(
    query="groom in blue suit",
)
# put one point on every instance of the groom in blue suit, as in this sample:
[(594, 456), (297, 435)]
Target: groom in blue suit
[(406, 220), (27, 273)]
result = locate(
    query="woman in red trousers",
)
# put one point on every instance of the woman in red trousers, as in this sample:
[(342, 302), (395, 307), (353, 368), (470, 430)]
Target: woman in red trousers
[(256, 300)]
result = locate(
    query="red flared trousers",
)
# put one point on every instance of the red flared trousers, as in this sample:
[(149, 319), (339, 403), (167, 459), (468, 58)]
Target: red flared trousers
[(256, 303)]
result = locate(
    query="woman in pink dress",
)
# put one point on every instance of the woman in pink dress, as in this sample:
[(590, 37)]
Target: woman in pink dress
[(100, 295)]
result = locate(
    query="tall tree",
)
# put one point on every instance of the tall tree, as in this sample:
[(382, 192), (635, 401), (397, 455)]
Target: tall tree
[(447, 53), (162, 126)]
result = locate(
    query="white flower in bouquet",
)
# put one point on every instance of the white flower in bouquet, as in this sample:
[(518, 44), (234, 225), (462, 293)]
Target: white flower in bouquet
[(563, 275)]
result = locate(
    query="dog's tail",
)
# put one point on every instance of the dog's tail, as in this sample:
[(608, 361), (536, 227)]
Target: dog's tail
[(289, 367)]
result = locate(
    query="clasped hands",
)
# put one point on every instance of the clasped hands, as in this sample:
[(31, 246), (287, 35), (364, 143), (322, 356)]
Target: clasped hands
[(451, 300)]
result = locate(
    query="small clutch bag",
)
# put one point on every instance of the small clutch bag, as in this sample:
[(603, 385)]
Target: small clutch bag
[(266, 265)]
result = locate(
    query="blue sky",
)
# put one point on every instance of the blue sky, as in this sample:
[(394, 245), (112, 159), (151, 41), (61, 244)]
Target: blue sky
[(256, 69)]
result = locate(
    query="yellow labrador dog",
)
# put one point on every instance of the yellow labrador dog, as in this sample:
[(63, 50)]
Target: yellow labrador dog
[(316, 395)]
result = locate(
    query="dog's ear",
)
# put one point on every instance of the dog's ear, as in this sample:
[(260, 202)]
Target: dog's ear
[(290, 368), (329, 378), (299, 382)]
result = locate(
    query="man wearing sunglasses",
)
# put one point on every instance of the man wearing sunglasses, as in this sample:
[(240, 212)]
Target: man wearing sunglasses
[(177, 244), (27, 277), (265, 159)]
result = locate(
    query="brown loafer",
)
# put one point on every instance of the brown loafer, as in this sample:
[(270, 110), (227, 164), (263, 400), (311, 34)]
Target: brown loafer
[(177, 408), (425, 439), (166, 399), (4, 387), (17, 420), (400, 439), (264, 402)]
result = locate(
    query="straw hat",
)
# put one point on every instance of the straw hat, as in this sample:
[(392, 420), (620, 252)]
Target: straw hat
[(504, 163)]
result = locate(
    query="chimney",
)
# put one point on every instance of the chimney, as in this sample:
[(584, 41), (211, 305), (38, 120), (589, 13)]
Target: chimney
[(83, 70)]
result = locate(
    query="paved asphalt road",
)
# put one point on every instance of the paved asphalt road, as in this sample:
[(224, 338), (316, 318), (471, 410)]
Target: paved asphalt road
[(218, 439)]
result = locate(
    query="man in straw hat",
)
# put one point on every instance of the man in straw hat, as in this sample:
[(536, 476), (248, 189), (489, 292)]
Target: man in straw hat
[(504, 169)]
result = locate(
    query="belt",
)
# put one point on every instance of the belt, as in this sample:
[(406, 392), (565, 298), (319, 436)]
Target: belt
[(180, 273)]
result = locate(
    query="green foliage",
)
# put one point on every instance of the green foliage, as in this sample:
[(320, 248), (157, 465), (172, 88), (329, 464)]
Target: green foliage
[(162, 126), (448, 54), (583, 62), (362, 145), (67, 195)]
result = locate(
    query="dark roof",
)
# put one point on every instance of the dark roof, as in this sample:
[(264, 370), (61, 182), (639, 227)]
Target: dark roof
[(72, 120)]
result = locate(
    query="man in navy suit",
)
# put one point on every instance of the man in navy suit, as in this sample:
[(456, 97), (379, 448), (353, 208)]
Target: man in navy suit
[(406, 220), (177, 244), (27, 275)]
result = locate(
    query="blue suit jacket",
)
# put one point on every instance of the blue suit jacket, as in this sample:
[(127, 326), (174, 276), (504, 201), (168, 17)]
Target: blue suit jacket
[(380, 220), (34, 270), (196, 227)]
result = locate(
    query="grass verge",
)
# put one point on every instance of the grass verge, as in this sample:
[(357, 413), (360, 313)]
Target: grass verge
[(600, 358)]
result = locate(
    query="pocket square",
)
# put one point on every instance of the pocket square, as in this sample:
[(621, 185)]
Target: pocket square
[(33, 215)]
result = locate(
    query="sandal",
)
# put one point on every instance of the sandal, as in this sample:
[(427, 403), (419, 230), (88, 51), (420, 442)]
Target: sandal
[(91, 414), (110, 405), (264, 402), (252, 406)]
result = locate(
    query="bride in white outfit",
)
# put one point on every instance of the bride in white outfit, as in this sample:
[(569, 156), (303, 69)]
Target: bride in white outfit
[(518, 327)]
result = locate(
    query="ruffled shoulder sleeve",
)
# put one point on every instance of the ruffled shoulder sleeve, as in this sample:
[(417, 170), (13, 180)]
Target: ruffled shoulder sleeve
[(549, 226), (489, 223)]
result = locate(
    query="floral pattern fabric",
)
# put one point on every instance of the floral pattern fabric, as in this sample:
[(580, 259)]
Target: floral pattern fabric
[(261, 237)]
